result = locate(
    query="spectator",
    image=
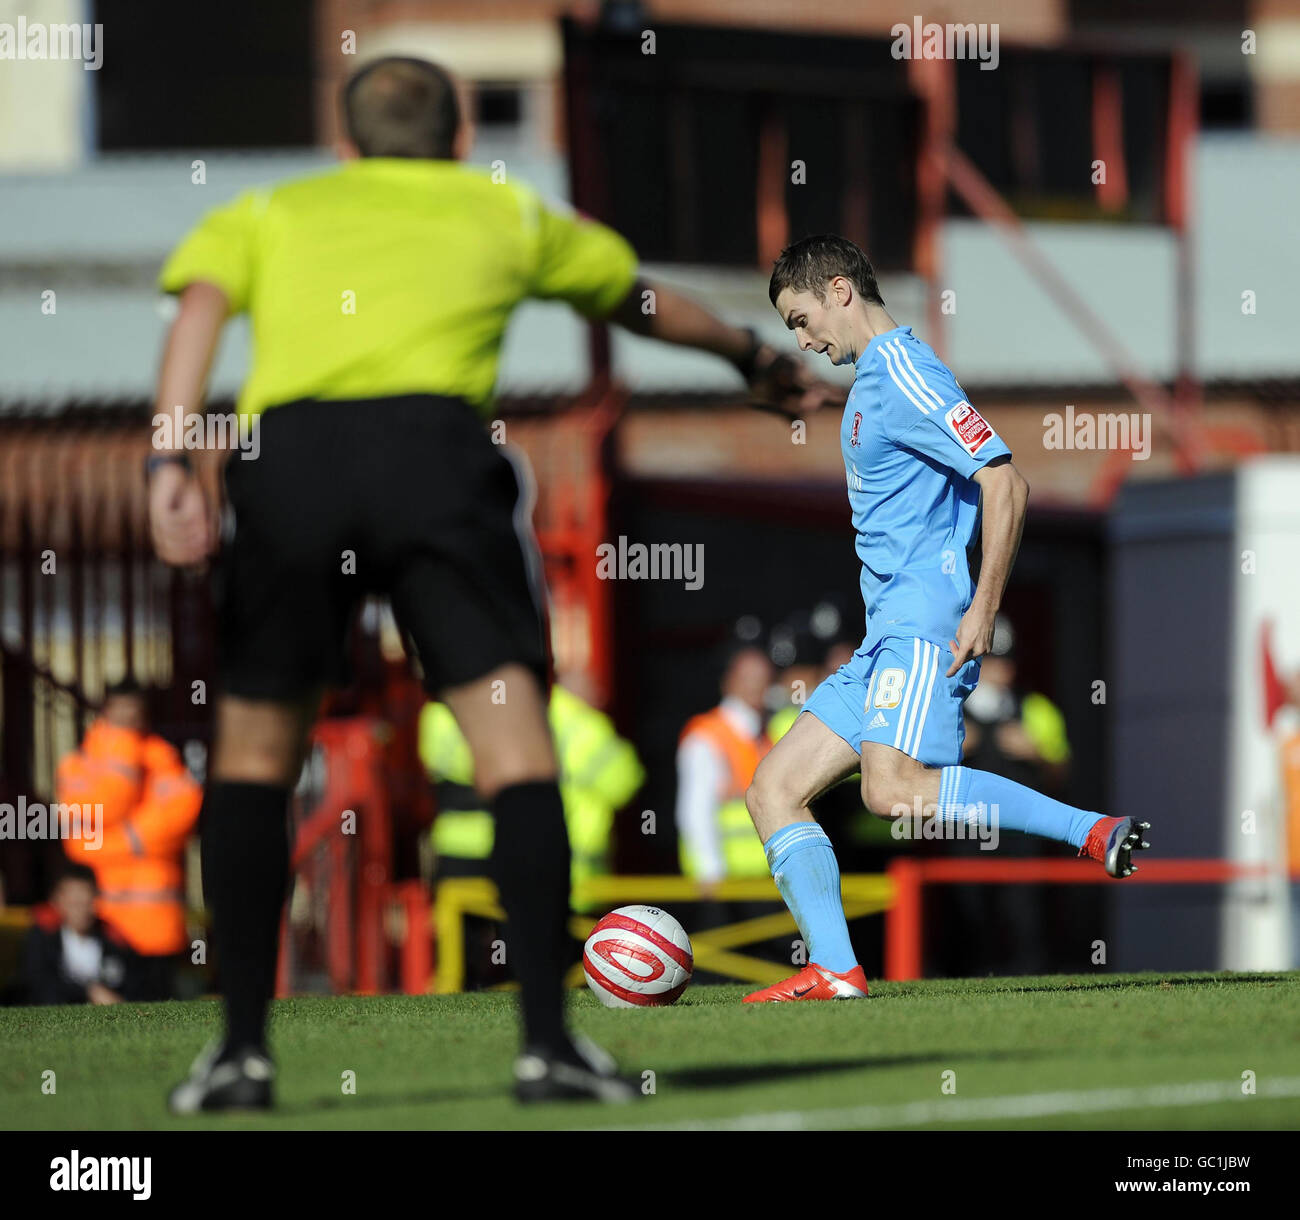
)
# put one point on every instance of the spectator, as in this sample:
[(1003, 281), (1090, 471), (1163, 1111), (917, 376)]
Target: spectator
[(599, 774), (718, 753), (70, 955), (148, 804), (1010, 732)]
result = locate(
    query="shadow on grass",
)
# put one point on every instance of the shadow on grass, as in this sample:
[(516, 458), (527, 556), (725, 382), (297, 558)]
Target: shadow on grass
[(693, 1078), (727, 1077), (1105, 984), (384, 1101)]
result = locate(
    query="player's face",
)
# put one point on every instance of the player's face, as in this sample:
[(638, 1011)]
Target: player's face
[(819, 326)]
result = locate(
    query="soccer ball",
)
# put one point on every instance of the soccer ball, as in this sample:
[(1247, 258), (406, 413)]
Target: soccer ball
[(637, 957)]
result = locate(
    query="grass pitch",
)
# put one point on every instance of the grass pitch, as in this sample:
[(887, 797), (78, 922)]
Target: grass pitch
[(1119, 1051)]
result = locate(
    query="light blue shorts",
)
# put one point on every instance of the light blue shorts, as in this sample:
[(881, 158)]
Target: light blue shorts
[(898, 694)]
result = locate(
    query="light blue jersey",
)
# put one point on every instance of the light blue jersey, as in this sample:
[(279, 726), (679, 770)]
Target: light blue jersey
[(912, 444)]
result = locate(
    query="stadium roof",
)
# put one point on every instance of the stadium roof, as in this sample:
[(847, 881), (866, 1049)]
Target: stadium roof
[(97, 235)]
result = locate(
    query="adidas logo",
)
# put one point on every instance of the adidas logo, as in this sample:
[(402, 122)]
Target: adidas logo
[(879, 722)]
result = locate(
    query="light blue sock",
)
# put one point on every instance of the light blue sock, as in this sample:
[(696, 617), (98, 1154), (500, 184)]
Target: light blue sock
[(1015, 806), (806, 872)]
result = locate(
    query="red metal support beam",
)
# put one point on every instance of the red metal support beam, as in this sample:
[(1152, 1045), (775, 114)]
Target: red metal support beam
[(773, 221), (417, 946), (935, 81), (989, 206), (1108, 137)]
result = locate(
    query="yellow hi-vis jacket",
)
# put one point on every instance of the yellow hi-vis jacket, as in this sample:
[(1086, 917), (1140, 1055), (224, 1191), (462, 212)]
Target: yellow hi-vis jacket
[(599, 773), (780, 723)]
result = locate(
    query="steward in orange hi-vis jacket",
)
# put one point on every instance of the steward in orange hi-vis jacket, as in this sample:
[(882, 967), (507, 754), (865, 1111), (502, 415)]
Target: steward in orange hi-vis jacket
[(148, 805)]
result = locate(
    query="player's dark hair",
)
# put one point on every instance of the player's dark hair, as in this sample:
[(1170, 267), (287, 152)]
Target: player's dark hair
[(402, 107), (812, 262)]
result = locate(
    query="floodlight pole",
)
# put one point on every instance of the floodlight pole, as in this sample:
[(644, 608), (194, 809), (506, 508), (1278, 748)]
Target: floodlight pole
[(935, 82)]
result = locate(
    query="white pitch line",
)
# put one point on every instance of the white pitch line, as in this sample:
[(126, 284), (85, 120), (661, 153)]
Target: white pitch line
[(979, 1109)]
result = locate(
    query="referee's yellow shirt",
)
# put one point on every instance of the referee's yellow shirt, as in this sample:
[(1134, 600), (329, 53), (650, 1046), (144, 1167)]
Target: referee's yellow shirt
[(393, 276)]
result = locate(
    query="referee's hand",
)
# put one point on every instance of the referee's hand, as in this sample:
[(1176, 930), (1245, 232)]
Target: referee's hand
[(785, 385), (181, 522)]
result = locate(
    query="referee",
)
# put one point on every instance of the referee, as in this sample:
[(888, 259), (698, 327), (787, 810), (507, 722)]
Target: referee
[(378, 294)]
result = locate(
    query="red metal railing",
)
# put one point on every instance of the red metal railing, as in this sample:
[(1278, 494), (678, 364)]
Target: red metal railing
[(905, 922), (571, 459)]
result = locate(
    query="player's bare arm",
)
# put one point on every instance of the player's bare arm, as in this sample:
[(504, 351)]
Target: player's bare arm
[(1005, 495), (776, 380), (181, 520)]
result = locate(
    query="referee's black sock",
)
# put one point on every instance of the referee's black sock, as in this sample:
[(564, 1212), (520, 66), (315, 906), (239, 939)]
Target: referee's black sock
[(245, 838), (530, 861)]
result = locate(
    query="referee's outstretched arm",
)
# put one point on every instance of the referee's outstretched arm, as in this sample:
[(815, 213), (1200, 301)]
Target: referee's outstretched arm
[(777, 381), (183, 521)]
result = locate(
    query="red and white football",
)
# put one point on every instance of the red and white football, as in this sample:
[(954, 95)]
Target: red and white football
[(637, 957)]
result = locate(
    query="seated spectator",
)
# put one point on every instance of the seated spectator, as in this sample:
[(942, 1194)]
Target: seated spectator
[(70, 955)]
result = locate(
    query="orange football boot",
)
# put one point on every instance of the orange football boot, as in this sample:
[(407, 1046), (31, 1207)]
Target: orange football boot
[(814, 982)]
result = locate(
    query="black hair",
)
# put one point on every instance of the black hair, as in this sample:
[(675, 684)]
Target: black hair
[(75, 872)]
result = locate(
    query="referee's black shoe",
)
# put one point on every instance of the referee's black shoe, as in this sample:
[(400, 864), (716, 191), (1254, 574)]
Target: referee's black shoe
[(579, 1072), (225, 1080)]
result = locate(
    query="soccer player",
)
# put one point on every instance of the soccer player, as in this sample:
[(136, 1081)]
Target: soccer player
[(378, 295), (919, 459)]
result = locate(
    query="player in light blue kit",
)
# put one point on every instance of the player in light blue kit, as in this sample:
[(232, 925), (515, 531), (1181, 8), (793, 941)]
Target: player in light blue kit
[(919, 459)]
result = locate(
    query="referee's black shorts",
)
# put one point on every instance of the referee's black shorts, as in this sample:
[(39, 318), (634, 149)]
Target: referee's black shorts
[(403, 496)]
